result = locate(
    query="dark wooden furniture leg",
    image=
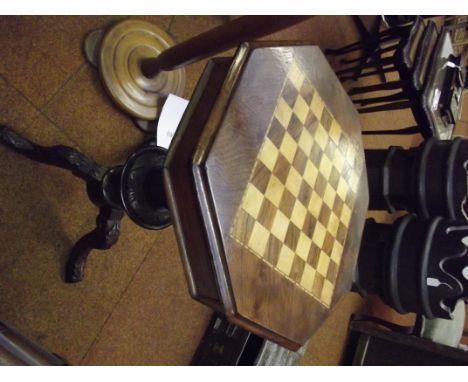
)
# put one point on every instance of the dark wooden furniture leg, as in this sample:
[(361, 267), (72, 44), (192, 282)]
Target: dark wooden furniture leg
[(424, 276), (136, 188), (59, 156), (108, 220), (429, 180), (104, 236)]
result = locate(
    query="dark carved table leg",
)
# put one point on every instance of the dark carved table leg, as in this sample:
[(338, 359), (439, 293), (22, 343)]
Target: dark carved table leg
[(59, 156), (104, 236), (108, 221), (135, 188)]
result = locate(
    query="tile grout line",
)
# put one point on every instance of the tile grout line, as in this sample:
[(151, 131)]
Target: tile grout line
[(96, 338), (40, 111), (62, 86)]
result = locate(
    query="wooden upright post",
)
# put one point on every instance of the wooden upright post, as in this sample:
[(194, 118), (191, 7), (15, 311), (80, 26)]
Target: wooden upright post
[(216, 40), (140, 65)]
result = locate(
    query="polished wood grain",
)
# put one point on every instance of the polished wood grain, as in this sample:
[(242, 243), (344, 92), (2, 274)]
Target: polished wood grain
[(273, 216)]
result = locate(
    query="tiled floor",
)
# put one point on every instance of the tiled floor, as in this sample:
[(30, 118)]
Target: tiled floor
[(133, 307)]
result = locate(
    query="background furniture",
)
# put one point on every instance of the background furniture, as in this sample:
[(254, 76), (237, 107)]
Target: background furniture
[(371, 345), (426, 276), (431, 78), (226, 344), (429, 180)]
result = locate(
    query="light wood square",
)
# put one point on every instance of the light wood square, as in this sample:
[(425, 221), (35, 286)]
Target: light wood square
[(317, 106), (351, 154), (310, 173), (252, 200), (315, 204), (337, 252), (308, 276), (285, 260), (301, 109), (296, 76), (280, 226), (339, 161), (333, 224), (298, 214), (335, 132), (327, 292), (303, 246), (259, 239), (274, 190), (321, 136), (325, 167), (342, 189), (288, 147), (294, 181), (283, 112), (269, 154), (319, 234), (354, 181), (346, 215), (305, 141), (329, 196), (323, 263)]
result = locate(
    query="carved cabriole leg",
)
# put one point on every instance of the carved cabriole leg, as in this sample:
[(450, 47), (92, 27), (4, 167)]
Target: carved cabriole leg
[(135, 188), (104, 236), (107, 231)]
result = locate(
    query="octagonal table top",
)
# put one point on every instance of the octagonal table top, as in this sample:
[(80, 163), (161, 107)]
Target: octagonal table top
[(267, 187)]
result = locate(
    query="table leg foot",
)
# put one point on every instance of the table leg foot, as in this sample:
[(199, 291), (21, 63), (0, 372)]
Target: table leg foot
[(103, 237)]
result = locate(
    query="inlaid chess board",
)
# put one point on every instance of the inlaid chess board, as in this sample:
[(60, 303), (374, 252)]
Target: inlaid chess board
[(297, 205), (268, 190)]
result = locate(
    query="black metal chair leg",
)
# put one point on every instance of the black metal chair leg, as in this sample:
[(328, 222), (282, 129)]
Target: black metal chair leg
[(384, 61), (366, 74), (103, 237), (360, 45), (387, 49), (371, 56), (405, 131), (393, 97), (372, 88), (390, 106)]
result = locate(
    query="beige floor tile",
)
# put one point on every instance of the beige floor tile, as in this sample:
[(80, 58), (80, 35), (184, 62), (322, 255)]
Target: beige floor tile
[(156, 322), (40, 53), (26, 61), (15, 110), (85, 113)]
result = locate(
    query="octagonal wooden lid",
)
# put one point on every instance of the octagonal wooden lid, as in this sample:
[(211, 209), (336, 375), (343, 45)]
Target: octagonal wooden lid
[(268, 190)]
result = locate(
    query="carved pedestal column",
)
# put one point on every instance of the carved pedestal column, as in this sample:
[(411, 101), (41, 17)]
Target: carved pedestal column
[(415, 265), (429, 180)]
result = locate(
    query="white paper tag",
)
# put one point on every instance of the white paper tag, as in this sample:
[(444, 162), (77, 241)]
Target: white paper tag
[(169, 120)]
